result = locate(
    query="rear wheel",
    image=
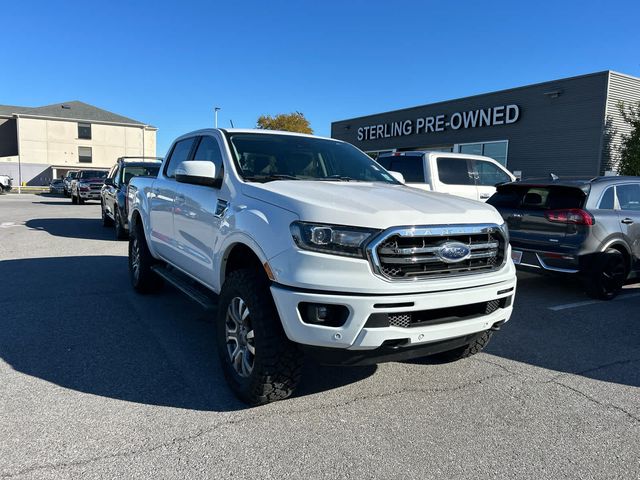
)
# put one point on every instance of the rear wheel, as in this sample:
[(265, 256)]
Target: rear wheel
[(473, 347), (143, 279), (121, 233), (606, 276), (259, 362)]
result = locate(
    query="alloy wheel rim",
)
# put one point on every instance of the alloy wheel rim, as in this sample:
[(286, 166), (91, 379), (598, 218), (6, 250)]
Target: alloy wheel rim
[(135, 258), (613, 275), (240, 337)]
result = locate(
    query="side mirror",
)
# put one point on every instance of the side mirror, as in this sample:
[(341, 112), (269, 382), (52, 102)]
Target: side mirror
[(198, 172), (398, 176), (109, 182)]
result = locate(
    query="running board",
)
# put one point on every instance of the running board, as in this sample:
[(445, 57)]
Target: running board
[(186, 285)]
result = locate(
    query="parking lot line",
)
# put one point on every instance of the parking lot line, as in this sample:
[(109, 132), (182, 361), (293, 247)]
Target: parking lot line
[(565, 306)]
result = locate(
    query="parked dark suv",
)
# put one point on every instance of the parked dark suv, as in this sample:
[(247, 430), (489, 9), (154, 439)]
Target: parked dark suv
[(589, 228), (113, 196)]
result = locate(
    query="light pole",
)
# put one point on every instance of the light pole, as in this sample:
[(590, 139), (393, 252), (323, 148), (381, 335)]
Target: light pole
[(215, 113)]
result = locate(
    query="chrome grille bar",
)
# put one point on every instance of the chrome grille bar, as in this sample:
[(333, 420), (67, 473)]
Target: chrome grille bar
[(414, 253)]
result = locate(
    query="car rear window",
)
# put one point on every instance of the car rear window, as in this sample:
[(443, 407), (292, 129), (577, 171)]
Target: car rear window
[(534, 197)]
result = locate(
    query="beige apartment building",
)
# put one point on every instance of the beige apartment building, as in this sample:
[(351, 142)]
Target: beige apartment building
[(38, 144)]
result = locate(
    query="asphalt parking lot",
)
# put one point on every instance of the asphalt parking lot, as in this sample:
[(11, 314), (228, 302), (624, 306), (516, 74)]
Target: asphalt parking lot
[(99, 382)]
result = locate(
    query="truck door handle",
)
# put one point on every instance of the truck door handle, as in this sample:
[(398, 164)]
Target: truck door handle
[(180, 199), (627, 221), (485, 195)]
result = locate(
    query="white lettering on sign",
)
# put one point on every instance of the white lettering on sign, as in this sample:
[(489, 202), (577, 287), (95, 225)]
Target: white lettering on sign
[(482, 117)]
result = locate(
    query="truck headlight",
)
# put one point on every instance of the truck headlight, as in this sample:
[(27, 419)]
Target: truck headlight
[(334, 239)]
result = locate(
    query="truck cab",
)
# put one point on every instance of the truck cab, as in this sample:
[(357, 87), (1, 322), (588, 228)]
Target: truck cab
[(307, 247), (470, 176)]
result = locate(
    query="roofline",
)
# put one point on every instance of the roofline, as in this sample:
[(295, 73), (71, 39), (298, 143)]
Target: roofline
[(258, 131), (603, 72), (63, 119), (626, 75)]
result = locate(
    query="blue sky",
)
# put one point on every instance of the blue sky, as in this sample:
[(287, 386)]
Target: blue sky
[(169, 63)]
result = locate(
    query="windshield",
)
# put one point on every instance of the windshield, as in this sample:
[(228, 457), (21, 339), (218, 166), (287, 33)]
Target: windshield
[(265, 157), (92, 174), (139, 171)]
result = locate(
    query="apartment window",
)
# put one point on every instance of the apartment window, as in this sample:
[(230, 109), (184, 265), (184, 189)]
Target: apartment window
[(84, 155), (495, 150), (84, 131)]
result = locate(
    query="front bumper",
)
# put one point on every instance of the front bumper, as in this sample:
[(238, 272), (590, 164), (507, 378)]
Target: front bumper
[(90, 195), (354, 335)]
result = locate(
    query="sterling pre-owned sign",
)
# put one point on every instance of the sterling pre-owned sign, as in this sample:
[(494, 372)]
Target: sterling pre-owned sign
[(483, 117)]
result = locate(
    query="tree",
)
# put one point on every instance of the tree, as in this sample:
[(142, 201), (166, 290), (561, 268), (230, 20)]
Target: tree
[(289, 122), (630, 146)]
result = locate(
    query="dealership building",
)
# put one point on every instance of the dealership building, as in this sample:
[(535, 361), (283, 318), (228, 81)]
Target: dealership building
[(570, 127), (38, 144)]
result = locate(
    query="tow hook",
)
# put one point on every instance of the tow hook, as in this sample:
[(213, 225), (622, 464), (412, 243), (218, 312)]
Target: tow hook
[(496, 326)]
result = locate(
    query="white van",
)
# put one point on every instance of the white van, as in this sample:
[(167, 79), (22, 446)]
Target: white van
[(469, 176)]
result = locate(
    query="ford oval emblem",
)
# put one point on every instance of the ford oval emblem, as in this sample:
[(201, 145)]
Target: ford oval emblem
[(453, 252)]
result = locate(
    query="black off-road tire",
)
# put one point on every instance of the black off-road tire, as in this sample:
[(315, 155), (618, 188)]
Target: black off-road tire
[(475, 346), (606, 275), (144, 280), (277, 363), (106, 221), (121, 233)]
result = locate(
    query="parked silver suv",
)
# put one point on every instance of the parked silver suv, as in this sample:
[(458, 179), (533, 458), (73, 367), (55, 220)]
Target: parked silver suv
[(589, 228)]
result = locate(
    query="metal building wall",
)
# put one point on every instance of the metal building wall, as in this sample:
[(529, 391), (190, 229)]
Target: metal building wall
[(622, 88), (559, 129)]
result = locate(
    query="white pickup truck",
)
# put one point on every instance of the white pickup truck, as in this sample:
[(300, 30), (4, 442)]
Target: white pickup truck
[(307, 246), (462, 174)]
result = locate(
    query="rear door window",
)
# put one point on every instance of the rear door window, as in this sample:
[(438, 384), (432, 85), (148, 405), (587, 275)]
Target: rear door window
[(454, 171), (629, 196), (411, 167), (489, 174), (179, 154)]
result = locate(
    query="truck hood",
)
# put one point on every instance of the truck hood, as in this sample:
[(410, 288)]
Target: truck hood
[(373, 205)]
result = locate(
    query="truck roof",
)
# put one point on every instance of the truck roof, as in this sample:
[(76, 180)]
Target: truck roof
[(256, 130)]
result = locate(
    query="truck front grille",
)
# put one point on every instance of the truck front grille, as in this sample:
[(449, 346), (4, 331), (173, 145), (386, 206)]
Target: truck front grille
[(437, 316), (444, 315), (424, 252)]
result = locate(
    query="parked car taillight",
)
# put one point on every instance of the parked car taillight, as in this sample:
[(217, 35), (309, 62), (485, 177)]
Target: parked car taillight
[(576, 216)]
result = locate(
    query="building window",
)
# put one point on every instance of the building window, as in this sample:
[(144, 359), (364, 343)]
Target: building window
[(84, 131), (84, 154), (495, 150)]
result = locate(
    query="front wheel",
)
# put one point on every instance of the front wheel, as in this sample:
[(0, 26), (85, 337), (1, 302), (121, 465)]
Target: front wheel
[(74, 199), (143, 279), (106, 221), (606, 276), (259, 362)]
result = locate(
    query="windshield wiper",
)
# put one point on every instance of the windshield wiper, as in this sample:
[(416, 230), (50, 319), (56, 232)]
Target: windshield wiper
[(342, 178), (271, 177)]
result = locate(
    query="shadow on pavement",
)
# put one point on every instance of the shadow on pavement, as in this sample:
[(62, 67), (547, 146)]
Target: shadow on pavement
[(87, 228), (598, 340), (75, 322)]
